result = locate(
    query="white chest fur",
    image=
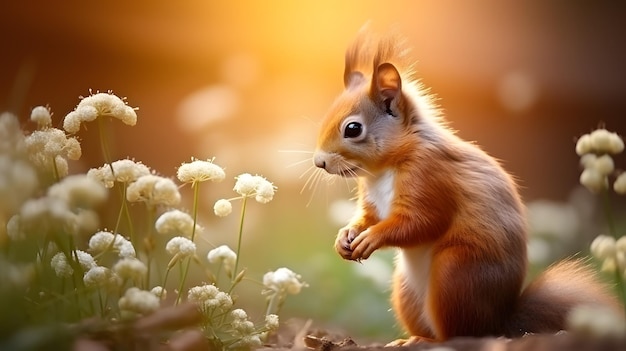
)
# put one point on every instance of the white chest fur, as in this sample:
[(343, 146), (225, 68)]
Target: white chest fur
[(413, 264), (380, 193)]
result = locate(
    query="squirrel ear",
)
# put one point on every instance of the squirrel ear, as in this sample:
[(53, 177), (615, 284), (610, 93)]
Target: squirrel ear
[(386, 83)]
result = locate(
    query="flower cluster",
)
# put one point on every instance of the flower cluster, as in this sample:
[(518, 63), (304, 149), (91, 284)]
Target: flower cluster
[(611, 252), (176, 222), (210, 298), (199, 171), (283, 281), (62, 266), (225, 256), (595, 150), (49, 149), (594, 321), (138, 302), (103, 241), (122, 171), (66, 206), (246, 186), (115, 274), (279, 284), (99, 105), (154, 190)]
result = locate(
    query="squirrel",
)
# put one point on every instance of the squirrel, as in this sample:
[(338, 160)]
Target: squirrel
[(453, 212)]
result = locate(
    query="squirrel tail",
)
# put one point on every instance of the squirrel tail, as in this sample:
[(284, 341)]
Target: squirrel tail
[(544, 305)]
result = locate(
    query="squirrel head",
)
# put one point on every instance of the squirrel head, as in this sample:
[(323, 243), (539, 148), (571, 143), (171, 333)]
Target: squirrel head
[(367, 126)]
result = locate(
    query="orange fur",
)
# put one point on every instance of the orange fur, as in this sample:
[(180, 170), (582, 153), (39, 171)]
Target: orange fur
[(450, 208)]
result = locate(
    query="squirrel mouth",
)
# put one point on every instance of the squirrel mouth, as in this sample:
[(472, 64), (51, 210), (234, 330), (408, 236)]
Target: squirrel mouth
[(349, 172)]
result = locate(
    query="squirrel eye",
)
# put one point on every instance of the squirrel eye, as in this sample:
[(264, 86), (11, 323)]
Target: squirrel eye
[(353, 130)]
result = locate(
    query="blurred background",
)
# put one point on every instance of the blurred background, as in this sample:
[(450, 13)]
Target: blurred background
[(247, 82)]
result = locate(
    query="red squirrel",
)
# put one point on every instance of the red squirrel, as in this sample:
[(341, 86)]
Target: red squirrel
[(452, 211)]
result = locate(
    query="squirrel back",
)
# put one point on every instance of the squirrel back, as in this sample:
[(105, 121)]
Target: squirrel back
[(452, 211)]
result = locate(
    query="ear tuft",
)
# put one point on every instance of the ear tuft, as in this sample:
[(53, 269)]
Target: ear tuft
[(353, 79), (387, 80)]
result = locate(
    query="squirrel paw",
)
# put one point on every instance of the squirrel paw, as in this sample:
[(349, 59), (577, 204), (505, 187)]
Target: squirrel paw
[(342, 244), (364, 245)]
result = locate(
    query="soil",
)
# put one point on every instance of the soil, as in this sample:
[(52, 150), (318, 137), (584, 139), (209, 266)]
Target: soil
[(174, 329)]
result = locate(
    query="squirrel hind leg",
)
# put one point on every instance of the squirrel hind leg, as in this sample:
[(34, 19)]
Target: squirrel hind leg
[(470, 297)]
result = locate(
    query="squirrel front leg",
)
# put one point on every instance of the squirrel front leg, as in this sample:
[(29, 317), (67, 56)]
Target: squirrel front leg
[(362, 220), (406, 226)]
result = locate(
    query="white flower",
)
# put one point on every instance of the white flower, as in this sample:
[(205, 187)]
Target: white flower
[(210, 298), (127, 171), (62, 267), (603, 164), (222, 208), (99, 105), (603, 141), (223, 254), (583, 145), (283, 280), (125, 248), (79, 191), (101, 241), (603, 247), (200, 171), (594, 180), (250, 341), (14, 230), (41, 115), (154, 190), (45, 213), (175, 222), (103, 175), (202, 293), (264, 191), (124, 171), (180, 246), (138, 301), (100, 277), (620, 184), (594, 321), (249, 185), (18, 182), (245, 184), (48, 149), (130, 268), (87, 221), (159, 292), (239, 314), (271, 322), (12, 140)]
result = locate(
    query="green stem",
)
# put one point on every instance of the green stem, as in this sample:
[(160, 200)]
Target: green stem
[(196, 192), (55, 170), (274, 304), (608, 212), (149, 242), (167, 274), (103, 144), (243, 213), (131, 229)]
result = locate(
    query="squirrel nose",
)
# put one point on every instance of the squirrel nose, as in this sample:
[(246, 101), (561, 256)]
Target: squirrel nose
[(319, 161)]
